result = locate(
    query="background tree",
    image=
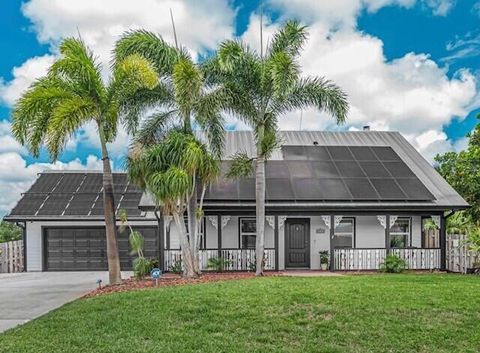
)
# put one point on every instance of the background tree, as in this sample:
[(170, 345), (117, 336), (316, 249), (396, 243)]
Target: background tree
[(181, 102), (462, 172), (72, 94), (171, 171), (263, 87), (9, 232)]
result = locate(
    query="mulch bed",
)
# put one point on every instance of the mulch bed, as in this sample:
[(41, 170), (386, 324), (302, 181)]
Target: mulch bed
[(170, 280)]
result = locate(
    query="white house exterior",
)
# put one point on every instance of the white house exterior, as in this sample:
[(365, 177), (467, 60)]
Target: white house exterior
[(358, 195)]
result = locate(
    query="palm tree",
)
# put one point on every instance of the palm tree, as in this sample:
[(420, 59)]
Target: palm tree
[(262, 88), (171, 170), (72, 94), (182, 101)]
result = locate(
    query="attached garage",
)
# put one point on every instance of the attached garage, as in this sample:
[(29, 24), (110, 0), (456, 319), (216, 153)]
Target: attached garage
[(84, 249)]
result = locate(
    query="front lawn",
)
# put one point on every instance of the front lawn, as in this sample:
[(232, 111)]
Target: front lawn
[(378, 313)]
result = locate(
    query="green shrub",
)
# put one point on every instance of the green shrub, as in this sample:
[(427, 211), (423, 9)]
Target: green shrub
[(324, 257), (393, 264), (177, 267), (142, 266), (218, 263)]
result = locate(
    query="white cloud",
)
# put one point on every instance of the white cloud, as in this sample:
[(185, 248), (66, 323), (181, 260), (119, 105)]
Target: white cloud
[(344, 13), (23, 76), (16, 176), (440, 7), (200, 24), (7, 141), (411, 94)]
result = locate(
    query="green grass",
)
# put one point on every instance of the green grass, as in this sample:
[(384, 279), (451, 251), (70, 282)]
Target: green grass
[(380, 313)]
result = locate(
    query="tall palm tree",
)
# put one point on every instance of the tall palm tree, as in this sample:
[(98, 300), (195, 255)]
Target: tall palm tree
[(182, 101), (72, 94), (262, 88)]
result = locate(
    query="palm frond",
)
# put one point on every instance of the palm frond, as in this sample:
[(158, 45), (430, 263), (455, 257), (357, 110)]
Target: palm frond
[(283, 72), (315, 92), (187, 81), (154, 128), (290, 39), (152, 47), (68, 116), (79, 66), (241, 166)]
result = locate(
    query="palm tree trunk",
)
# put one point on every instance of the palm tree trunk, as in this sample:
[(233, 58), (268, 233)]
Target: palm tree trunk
[(109, 213), (192, 230), (260, 210), (187, 256)]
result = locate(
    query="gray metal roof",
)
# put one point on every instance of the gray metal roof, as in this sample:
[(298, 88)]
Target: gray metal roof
[(445, 197)]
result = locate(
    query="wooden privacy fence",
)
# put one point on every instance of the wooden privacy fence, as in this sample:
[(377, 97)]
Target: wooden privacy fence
[(459, 258), (11, 256)]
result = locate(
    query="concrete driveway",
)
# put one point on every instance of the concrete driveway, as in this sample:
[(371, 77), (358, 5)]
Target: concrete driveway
[(25, 296)]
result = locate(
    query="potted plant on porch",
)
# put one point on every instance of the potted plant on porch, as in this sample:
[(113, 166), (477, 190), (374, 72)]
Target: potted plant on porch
[(324, 259)]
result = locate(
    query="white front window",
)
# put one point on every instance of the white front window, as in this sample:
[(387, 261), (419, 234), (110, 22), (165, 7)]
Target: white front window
[(400, 233), (344, 234)]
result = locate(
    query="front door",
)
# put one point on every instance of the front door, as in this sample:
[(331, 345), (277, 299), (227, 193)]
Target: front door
[(297, 243)]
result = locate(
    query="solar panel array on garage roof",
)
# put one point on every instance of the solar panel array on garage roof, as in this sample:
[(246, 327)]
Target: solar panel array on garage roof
[(343, 173), (76, 194)]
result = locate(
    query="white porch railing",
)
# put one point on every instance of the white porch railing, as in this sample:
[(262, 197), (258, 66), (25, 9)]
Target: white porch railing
[(419, 259), (358, 259), (238, 259), (11, 256), (371, 259)]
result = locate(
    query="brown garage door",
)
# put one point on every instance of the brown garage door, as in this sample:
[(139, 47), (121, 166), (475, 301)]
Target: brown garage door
[(84, 249)]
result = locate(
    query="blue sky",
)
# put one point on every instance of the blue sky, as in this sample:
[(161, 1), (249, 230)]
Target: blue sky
[(407, 65)]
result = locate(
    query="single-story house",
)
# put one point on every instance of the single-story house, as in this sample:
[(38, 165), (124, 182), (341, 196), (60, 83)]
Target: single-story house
[(359, 195)]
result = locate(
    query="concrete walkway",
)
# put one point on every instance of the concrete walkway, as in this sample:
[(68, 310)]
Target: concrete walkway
[(25, 296), (310, 273)]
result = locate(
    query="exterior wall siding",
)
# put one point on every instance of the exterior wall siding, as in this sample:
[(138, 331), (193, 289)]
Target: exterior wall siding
[(369, 234)]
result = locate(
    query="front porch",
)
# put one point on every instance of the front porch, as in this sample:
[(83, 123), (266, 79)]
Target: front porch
[(355, 242)]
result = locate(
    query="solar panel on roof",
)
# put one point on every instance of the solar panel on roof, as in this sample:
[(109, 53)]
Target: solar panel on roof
[(300, 169), (363, 153), (45, 182), (349, 169), (385, 154), (323, 169), (296, 153), (246, 188), (361, 189), (279, 189), (276, 169), (388, 189), (334, 189), (69, 183), (414, 189), (29, 204), (223, 189), (307, 189), (55, 204), (81, 204), (340, 153), (92, 183), (399, 169), (317, 153), (374, 169)]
